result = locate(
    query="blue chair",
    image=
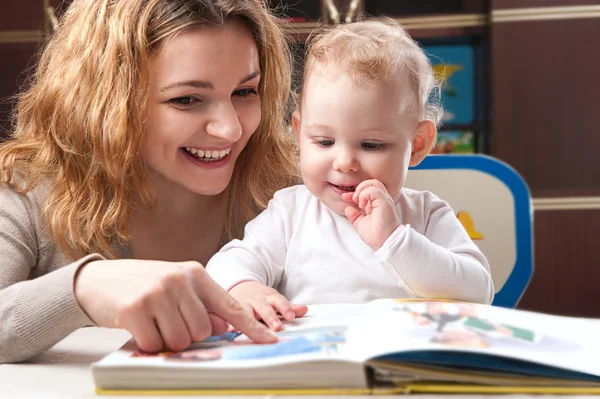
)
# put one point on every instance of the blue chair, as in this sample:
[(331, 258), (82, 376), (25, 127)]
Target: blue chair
[(493, 203)]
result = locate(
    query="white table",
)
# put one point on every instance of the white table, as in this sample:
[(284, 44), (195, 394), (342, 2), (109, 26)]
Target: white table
[(64, 371)]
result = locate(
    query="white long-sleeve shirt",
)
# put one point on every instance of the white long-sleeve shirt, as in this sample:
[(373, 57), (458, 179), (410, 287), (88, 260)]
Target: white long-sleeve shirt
[(312, 255)]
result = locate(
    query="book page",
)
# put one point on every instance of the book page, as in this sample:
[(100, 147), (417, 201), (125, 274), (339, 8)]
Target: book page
[(235, 350), (312, 352), (563, 342), (390, 329), (319, 336)]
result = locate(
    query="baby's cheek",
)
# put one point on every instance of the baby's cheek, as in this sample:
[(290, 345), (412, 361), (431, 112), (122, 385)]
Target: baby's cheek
[(394, 187)]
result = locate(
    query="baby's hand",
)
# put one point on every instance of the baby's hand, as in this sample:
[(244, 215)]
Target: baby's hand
[(264, 303), (378, 218)]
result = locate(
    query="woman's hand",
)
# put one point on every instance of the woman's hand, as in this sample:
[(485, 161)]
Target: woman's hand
[(265, 302), (162, 304)]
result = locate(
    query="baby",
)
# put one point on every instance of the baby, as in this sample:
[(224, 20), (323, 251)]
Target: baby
[(352, 233)]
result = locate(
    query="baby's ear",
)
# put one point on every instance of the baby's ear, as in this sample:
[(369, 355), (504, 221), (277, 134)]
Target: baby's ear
[(422, 142), (296, 124)]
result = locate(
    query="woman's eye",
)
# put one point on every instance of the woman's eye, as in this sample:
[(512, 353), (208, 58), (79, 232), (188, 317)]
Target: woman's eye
[(372, 146), (184, 102), (245, 93), (324, 142)]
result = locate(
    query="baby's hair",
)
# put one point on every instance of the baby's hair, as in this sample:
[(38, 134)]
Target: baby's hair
[(378, 50)]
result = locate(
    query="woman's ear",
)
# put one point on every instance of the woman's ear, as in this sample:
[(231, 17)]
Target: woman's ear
[(296, 124), (422, 142)]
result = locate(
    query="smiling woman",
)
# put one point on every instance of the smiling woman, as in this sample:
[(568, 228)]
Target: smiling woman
[(211, 108), (151, 133)]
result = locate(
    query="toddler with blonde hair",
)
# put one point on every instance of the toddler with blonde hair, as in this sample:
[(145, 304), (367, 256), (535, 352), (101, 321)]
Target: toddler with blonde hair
[(352, 233)]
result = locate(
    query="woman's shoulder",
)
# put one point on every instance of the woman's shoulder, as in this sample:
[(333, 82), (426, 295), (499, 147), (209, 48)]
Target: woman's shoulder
[(13, 195), (23, 209)]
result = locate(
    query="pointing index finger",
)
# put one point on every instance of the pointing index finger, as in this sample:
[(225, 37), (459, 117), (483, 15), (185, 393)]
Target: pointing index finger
[(229, 309)]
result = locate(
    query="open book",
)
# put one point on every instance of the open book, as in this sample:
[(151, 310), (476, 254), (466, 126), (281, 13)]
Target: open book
[(385, 346)]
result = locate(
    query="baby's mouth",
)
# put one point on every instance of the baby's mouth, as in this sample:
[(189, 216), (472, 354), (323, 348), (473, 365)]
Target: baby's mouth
[(348, 189)]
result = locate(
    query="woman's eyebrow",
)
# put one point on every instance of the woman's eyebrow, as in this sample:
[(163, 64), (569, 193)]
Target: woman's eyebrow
[(250, 77), (201, 84)]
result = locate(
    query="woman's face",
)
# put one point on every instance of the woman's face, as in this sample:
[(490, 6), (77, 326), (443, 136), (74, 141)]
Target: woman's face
[(203, 108)]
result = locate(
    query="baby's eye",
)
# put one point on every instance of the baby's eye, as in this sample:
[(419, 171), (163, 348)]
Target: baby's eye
[(245, 93), (372, 146), (184, 102), (324, 142)]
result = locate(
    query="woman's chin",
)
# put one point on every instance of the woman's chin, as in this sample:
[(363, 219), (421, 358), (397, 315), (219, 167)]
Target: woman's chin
[(209, 191)]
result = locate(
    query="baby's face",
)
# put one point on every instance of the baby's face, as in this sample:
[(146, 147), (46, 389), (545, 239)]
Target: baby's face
[(351, 132)]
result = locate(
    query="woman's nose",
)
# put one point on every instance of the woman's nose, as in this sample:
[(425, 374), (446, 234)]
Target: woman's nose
[(225, 123)]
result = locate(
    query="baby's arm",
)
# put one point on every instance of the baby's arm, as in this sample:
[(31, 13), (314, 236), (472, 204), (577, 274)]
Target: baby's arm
[(251, 268), (259, 257), (443, 262)]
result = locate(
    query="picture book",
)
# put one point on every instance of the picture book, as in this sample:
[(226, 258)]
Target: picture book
[(385, 346)]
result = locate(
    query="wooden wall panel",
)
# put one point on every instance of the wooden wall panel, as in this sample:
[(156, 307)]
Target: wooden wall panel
[(21, 23), (476, 6), (453, 32), (505, 4), (545, 103), (424, 7), (21, 15), (566, 278), (17, 58), (544, 124)]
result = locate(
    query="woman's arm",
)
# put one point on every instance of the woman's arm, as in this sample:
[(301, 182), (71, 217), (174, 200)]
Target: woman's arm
[(35, 313), (43, 299)]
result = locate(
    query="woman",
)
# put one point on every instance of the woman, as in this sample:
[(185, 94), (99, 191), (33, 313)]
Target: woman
[(151, 130)]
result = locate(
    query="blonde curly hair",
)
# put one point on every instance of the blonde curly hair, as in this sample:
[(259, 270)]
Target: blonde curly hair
[(80, 123)]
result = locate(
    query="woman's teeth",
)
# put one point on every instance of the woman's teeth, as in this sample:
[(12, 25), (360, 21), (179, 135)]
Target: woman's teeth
[(208, 155)]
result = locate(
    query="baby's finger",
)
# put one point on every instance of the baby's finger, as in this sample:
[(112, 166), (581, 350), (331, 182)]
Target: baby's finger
[(368, 195), (348, 197), (365, 197), (267, 314), (352, 214), (299, 310), (369, 208), (282, 305), (363, 185)]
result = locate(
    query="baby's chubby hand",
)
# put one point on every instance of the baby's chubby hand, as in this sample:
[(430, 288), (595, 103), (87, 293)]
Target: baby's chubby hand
[(265, 302), (378, 219)]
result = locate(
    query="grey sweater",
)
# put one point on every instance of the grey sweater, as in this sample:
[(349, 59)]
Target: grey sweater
[(38, 307)]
